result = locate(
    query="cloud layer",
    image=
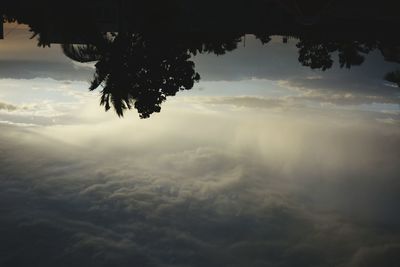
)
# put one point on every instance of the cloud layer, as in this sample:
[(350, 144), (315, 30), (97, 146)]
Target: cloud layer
[(273, 190)]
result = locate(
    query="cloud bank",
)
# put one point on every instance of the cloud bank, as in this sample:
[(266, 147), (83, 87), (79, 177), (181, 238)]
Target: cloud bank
[(197, 189)]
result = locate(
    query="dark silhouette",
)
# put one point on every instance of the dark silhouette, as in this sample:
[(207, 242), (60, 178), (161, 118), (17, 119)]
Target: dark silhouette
[(141, 70), (143, 49), (317, 54), (136, 71)]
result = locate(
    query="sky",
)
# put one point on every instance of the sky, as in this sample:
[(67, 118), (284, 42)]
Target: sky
[(263, 163)]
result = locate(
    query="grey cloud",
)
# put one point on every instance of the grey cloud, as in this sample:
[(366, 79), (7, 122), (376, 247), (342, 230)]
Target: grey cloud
[(349, 99), (273, 61), (31, 116), (21, 69), (386, 255), (301, 103), (194, 207), (278, 62), (256, 102), (343, 90), (390, 120), (7, 107)]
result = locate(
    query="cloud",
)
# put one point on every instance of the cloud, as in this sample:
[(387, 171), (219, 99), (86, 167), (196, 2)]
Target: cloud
[(386, 255), (389, 121), (7, 107), (21, 58), (256, 102), (22, 69), (189, 189), (278, 62), (381, 109), (45, 102), (342, 91), (273, 61)]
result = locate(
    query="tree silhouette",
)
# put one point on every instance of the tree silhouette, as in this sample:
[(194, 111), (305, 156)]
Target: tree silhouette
[(142, 70), (350, 52), (317, 54), (136, 70)]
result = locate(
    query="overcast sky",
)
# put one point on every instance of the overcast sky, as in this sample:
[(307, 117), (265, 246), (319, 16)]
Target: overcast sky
[(263, 163)]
